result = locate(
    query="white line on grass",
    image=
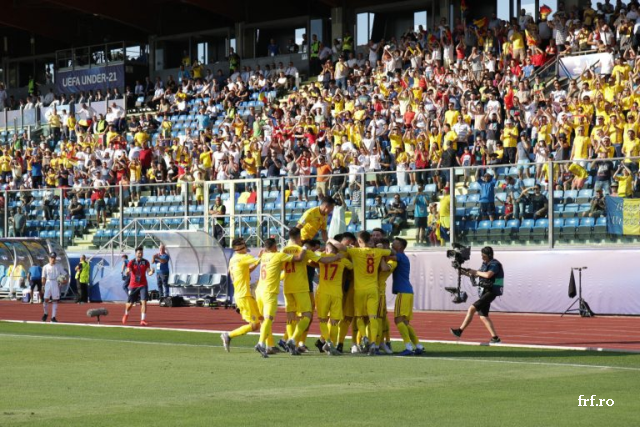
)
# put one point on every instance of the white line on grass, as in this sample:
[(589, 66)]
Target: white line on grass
[(455, 359), (458, 342)]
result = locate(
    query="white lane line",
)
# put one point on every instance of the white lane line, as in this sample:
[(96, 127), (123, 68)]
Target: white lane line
[(456, 359), (208, 331)]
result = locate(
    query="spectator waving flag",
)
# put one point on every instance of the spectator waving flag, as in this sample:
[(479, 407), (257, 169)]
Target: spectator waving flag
[(481, 23), (262, 96), (463, 6), (544, 11)]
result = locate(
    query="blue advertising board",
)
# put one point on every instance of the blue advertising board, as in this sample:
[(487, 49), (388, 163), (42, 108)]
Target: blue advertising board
[(74, 81)]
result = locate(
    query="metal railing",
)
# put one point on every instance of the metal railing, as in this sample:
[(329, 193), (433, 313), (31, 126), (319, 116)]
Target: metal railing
[(269, 206)]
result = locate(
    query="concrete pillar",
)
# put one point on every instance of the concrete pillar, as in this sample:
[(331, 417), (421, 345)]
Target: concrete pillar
[(337, 25), (239, 36), (444, 12)]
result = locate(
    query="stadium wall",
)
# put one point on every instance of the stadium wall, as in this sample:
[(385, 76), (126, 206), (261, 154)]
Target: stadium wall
[(535, 281)]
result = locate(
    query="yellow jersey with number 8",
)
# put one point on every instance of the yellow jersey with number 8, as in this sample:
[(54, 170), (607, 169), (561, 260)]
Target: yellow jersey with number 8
[(366, 263)]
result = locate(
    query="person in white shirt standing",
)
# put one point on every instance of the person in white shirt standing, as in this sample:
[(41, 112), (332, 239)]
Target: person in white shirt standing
[(53, 275)]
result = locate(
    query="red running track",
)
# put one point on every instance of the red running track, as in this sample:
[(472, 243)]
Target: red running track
[(607, 332)]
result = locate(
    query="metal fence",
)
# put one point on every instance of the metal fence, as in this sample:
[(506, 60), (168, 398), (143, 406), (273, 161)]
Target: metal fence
[(266, 207)]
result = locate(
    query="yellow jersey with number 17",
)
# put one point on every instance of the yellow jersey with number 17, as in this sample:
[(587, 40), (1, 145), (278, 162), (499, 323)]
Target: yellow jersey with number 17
[(366, 264), (239, 268), (270, 268), (330, 276), (295, 273)]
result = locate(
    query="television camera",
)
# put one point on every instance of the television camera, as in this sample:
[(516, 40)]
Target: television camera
[(458, 256)]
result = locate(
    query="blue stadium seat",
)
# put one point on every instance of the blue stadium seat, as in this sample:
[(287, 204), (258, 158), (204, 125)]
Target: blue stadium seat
[(525, 229), (570, 210), (512, 228), (497, 230), (540, 229), (430, 188), (585, 228), (482, 232), (600, 228), (568, 231), (473, 200), (570, 196)]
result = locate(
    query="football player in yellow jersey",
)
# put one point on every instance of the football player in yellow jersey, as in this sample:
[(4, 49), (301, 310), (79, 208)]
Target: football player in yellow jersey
[(329, 298), (366, 265), (315, 219), (271, 264), (347, 239), (402, 288), (383, 321), (296, 288), (241, 265)]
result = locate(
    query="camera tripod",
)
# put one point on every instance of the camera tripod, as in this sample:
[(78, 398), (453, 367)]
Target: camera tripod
[(583, 306)]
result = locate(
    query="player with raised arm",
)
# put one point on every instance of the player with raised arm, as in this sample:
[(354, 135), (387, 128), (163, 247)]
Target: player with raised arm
[(240, 267), (271, 264), (403, 290), (296, 288)]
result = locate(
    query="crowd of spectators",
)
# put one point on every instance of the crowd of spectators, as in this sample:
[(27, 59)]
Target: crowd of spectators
[(412, 107)]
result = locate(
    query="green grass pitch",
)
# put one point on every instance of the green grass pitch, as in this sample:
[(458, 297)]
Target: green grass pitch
[(61, 375)]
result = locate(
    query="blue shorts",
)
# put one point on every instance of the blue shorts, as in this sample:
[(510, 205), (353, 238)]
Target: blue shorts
[(487, 209), (138, 294)]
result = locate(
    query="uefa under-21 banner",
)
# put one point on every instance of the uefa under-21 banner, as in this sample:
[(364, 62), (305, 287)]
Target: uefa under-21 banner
[(623, 216), (103, 78)]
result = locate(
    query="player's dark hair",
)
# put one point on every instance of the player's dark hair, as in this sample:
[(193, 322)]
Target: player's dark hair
[(312, 242), (328, 201), (348, 235), (379, 230), (338, 237), (269, 243), (238, 241), (365, 236), (139, 248), (402, 242), (294, 233), (488, 251), (384, 241)]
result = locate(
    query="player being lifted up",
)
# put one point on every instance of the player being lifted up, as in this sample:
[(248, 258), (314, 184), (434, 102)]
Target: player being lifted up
[(315, 219), (240, 267), (296, 287), (271, 264), (329, 298), (366, 265)]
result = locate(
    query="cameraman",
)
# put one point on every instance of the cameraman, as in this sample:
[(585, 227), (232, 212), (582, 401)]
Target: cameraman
[(492, 271)]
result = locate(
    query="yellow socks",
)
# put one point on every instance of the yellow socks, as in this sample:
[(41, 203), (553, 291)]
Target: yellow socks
[(242, 330)]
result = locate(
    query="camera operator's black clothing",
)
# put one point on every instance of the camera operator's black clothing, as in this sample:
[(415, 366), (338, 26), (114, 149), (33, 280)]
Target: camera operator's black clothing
[(487, 295)]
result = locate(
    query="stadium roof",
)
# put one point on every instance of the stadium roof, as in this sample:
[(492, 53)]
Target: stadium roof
[(68, 23)]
